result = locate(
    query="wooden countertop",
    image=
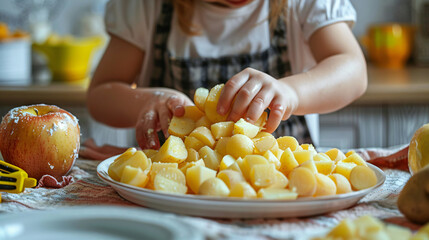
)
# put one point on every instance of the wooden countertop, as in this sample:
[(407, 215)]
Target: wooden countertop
[(385, 86)]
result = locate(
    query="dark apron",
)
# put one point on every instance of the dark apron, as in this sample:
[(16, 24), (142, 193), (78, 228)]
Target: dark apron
[(186, 75)]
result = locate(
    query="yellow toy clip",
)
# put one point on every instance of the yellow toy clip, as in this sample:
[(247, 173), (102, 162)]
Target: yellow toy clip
[(13, 179)]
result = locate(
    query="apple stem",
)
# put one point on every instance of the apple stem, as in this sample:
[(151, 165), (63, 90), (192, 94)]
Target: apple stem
[(37, 111)]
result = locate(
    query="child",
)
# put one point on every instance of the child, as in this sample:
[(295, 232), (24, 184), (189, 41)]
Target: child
[(293, 57)]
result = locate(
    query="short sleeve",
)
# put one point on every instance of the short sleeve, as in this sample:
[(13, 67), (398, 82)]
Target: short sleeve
[(314, 14), (132, 20)]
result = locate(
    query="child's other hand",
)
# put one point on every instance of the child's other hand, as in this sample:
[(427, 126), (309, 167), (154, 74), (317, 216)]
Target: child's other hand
[(156, 114), (250, 92)]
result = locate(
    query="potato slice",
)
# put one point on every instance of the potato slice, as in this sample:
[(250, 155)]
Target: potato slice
[(287, 142), (249, 161), (287, 162), (346, 229), (181, 126), (325, 185), (196, 175), (131, 157), (362, 177), (200, 98), (342, 183), (242, 190), (335, 154), (150, 152), (303, 181), (262, 175), (214, 187), (310, 165), (204, 135), (210, 157), (262, 120), (277, 194), (203, 122), (226, 161), (158, 166), (134, 176), (239, 145), (344, 168), (185, 165), (355, 158), (164, 184), (173, 150), (193, 112), (302, 156), (193, 142), (272, 159), (245, 128), (230, 177), (192, 155), (210, 106), (325, 167), (222, 129), (265, 143), (221, 144)]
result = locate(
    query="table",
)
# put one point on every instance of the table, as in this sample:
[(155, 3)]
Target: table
[(88, 189)]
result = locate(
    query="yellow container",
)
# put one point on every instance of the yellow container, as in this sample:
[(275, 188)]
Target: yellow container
[(389, 45), (69, 59)]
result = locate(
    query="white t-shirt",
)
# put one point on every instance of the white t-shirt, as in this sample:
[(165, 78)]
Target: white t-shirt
[(227, 31)]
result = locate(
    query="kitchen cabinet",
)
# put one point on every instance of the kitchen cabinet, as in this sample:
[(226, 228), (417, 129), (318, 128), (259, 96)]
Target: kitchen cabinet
[(395, 105)]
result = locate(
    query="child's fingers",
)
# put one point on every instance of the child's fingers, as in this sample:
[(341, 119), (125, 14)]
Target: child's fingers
[(276, 114), (176, 105), (258, 105), (230, 90), (146, 132), (244, 97)]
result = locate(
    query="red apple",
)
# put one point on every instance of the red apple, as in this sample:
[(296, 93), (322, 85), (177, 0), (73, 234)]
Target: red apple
[(40, 139)]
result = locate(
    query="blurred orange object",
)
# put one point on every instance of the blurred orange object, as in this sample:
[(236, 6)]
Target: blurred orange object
[(389, 45)]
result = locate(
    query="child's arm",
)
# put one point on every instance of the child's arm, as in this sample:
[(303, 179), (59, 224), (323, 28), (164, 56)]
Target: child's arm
[(112, 101), (338, 78)]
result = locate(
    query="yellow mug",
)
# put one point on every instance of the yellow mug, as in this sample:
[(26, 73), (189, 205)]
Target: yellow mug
[(389, 45)]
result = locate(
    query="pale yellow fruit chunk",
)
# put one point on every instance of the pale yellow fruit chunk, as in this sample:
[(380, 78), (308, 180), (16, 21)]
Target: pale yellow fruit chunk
[(344, 168), (355, 158), (396, 232), (242, 190), (214, 187), (325, 167), (196, 175), (210, 107), (262, 175), (346, 229), (187, 165), (192, 155), (249, 161), (262, 120), (307, 146), (239, 145), (265, 143), (134, 176), (322, 157), (158, 166), (173, 150), (287, 142), (335, 154), (350, 153), (200, 97), (302, 156), (366, 224), (204, 135), (287, 162), (203, 122), (325, 185), (193, 142), (362, 177), (342, 183), (210, 157), (280, 180), (310, 165), (303, 181), (222, 129), (226, 161), (277, 194), (164, 184), (245, 128), (150, 153), (131, 157), (181, 126), (173, 174), (272, 159), (263, 134), (230, 177), (221, 144), (193, 112), (235, 167)]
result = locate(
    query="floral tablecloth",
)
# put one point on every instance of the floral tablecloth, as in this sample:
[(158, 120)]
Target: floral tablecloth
[(83, 187)]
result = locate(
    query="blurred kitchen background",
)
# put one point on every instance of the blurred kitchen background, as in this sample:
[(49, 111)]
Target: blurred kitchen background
[(42, 36)]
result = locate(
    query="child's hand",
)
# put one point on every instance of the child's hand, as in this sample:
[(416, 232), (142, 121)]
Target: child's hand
[(156, 114), (250, 92)]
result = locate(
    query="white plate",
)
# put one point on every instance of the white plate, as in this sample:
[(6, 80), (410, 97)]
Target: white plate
[(216, 207), (95, 222)]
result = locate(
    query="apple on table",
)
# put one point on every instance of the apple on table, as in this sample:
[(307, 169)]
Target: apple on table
[(41, 139)]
